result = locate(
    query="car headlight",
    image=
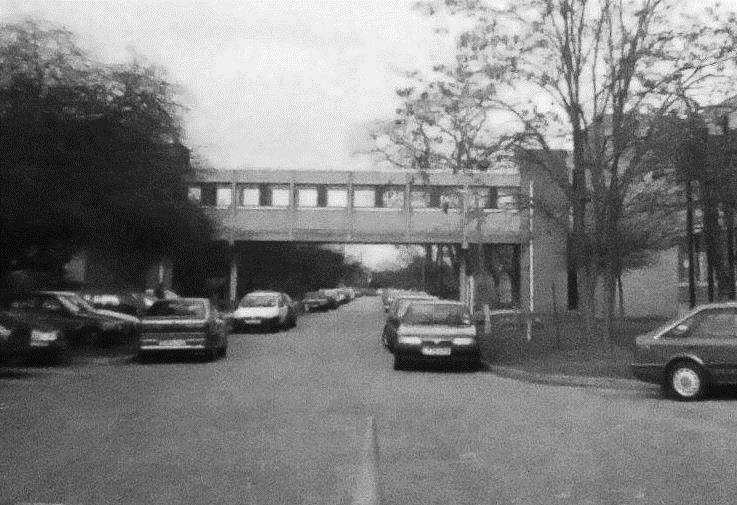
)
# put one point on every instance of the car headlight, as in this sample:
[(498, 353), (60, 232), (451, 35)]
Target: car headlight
[(409, 340), (42, 336), (464, 341), (4, 332)]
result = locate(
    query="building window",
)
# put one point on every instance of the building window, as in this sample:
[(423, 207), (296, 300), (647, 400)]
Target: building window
[(279, 196), (250, 196), (337, 197), (507, 198), (449, 197), (364, 198), (392, 197), (481, 197), (307, 197), (224, 196), (194, 194), (420, 198)]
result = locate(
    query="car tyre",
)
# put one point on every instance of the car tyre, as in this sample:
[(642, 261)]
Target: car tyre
[(400, 362), (686, 381)]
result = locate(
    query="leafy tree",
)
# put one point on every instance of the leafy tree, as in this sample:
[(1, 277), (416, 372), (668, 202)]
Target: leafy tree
[(89, 154)]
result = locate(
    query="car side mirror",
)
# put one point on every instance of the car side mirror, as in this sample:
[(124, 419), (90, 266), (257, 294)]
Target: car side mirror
[(680, 331)]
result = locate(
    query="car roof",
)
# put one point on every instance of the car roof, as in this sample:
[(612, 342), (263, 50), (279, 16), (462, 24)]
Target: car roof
[(270, 293), (53, 292), (180, 299), (436, 301)]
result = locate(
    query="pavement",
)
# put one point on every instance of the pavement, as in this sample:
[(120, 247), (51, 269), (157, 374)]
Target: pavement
[(512, 372), (317, 415)]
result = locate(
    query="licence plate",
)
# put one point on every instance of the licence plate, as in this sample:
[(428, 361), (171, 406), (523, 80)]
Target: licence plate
[(436, 351), (173, 343), (252, 321)]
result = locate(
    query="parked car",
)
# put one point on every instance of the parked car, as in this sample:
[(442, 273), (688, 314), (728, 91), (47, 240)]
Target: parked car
[(132, 304), (183, 324), (168, 294), (265, 309), (335, 297), (132, 320), (690, 354), (315, 300), (399, 304), (436, 331), (15, 337), (77, 322)]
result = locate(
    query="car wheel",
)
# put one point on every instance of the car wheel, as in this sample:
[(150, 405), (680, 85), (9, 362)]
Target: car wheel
[(400, 362), (224, 351), (686, 381), (212, 354)]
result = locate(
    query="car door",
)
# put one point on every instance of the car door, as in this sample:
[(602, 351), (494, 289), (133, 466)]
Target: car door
[(713, 338)]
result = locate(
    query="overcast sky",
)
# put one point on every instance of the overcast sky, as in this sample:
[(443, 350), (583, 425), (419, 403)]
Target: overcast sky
[(269, 83)]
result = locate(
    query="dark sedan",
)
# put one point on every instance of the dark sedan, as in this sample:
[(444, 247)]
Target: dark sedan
[(78, 324), (691, 353), (183, 324), (318, 301), (439, 331)]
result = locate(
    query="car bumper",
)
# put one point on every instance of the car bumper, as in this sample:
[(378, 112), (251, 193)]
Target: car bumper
[(244, 324), (316, 306), (648, 372), (168, 345), (460, 354)]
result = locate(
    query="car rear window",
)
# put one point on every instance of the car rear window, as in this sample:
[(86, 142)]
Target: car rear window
[(259, 301), (426, 313), (177, 308)]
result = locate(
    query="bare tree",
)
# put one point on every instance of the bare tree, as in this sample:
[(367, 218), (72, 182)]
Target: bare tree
[(600, 75)]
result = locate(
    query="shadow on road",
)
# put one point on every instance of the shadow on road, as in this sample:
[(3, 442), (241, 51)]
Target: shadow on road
[(171, 358), (15, 374), (722, 393), (444, 368)]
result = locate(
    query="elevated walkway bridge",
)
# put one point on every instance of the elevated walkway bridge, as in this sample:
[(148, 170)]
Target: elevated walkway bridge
[(362, 207)]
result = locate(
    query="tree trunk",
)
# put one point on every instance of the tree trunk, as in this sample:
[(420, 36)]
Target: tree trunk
[(729, 239), (620, 294), (590, 278), (711, 238), (690, 245)]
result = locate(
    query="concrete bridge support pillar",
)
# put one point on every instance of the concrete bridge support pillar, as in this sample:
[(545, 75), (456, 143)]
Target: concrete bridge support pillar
[(464, 282), (233, 278)]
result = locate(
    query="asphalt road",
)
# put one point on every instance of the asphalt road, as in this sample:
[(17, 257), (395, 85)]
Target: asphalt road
[(317, 415)]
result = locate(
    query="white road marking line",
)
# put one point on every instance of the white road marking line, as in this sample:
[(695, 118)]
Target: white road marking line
[(366, 491)]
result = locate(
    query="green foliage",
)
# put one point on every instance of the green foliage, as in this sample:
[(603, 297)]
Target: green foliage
[(89, 153)]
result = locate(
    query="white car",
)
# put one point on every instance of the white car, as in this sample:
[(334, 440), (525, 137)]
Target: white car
[(265, 309)]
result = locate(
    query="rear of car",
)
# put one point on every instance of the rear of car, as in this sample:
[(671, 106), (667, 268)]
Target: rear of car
[(269, 310), (315, 301), (435, 331), (22, 337), (183, 324)]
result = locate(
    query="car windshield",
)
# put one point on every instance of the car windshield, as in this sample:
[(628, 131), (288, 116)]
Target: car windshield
[(314, 294), (178, 308), (76, 300), (259, 301), (449, 314)]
